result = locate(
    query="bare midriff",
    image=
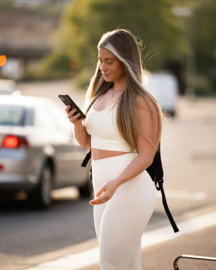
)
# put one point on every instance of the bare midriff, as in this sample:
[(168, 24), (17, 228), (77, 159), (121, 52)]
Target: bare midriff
[(100, 154)]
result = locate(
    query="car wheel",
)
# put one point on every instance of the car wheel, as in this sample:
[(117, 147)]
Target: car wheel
[(41, 196), (172, 113), (86, 190)]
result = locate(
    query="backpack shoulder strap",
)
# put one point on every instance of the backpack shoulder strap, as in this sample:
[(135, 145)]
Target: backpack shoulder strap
[(166, 208), (86, 159), (155, 170), (154, 174)]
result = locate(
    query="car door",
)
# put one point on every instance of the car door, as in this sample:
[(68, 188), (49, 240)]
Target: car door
[(69, 154), (49, 139)]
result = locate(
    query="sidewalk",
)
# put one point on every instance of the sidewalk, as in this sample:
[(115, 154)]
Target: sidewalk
[(162, 256), (160, 247)]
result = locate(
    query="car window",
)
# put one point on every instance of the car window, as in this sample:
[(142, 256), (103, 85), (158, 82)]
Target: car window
[(44, 119), (12, 115), (61, 120)]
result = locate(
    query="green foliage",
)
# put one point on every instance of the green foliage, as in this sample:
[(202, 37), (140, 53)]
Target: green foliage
[(84, 22), (59, 60), (164, 35), (205, 34), (82, 80), (203, 87), (56, 66), (6, 3)]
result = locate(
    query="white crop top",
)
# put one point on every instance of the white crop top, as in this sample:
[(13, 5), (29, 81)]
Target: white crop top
[(101, 125)]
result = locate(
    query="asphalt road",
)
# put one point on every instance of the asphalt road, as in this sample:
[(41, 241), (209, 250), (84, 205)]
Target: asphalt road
[(188, 152)]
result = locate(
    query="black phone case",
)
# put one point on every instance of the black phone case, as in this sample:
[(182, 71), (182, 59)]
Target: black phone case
[(68, 101)]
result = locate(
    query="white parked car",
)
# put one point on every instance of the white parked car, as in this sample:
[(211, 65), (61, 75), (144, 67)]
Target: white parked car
[(38, 151), (10, 92), (8, 87), (164, 87)]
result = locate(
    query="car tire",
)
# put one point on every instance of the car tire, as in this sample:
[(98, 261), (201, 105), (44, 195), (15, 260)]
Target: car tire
[(172, 113), (86, 190), (41, 198)]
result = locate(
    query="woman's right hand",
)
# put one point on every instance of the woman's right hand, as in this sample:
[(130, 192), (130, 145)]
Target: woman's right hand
[(73, 118)]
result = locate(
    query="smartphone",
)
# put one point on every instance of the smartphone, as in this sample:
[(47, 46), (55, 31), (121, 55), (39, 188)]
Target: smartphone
[(68, 101)]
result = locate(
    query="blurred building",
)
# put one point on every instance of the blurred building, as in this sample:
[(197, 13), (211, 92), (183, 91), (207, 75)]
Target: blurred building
[(25, 33)]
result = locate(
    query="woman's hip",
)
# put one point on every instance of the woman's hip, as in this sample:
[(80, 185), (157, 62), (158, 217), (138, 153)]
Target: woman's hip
[(104, 170)]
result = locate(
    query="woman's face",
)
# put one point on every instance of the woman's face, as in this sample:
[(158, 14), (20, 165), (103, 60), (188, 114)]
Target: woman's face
[(111, 67)]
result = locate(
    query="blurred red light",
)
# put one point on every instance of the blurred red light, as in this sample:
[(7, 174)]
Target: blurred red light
[(12, 141), (1, 167)]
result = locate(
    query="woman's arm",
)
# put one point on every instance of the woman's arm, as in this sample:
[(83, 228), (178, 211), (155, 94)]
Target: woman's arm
[(79, 130), (146, 153), (80, 135)]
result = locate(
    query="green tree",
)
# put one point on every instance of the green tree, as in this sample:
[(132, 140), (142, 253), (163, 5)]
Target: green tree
[(205, 34), (202, 26), (84, 21)]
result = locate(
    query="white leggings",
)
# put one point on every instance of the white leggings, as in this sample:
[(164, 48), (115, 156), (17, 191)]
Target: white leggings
[(121, 221)]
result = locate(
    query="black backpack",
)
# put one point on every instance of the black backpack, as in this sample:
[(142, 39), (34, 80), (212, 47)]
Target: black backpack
[(156, 173)]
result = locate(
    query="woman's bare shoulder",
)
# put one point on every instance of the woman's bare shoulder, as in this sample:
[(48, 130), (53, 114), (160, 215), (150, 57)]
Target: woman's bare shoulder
[(141, 103)]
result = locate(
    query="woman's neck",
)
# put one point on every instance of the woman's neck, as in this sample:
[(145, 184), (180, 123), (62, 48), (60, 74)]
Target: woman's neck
[(120, 84)]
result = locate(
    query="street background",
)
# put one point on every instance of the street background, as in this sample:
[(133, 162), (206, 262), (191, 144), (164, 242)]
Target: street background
[(49, 47), (188, 154)]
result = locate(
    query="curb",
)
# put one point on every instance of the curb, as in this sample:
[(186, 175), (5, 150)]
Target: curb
[(93, 243)]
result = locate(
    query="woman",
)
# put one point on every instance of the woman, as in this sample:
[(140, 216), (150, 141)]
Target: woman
[(123, 129)]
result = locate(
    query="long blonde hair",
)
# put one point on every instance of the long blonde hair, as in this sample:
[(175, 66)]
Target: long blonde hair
[(126, 48)]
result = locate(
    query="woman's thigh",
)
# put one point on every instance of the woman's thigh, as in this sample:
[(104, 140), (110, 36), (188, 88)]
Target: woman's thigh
[(98, 211), (124, 220), (121, 221)]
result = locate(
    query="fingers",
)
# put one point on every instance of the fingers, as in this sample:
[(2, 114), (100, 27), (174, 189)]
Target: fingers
[(102, 199), (70, 113), (100, 192), (68, 109), (72, 116)]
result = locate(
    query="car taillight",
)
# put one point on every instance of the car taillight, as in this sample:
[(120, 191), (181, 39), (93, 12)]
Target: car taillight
[(15, 141)]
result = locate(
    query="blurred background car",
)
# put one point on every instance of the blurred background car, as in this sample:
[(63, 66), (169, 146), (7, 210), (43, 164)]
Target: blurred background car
[(10, 92), (38, 151), (8, 87), (164, 86)]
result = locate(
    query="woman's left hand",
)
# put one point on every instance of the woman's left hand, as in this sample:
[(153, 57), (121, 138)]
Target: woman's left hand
[(105, 193)]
